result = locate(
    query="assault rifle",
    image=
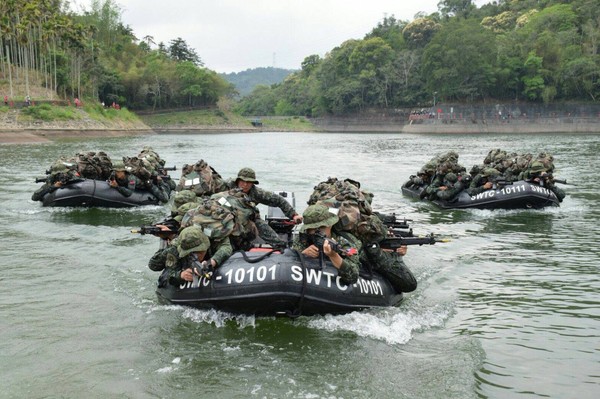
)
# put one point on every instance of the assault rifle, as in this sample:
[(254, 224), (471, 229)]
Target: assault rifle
[(153, 229), (61, 177), (397, 242), (202, 269), (546, 176), (500, 182), (395, 226), (319, 239)]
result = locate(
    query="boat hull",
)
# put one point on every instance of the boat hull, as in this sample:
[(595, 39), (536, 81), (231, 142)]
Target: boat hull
[(96, 193), (518, 195), (280, 285)]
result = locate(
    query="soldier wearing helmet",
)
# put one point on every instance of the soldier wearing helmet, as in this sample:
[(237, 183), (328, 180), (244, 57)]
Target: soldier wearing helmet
[(483, 181), (191, 253), (246, 181), (317, 235), (126, 183), (61, 173)]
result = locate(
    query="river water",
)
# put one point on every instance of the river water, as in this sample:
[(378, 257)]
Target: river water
[(509, 308)]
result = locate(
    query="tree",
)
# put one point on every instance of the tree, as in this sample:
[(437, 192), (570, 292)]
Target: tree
[(459, 62), (180, 51)]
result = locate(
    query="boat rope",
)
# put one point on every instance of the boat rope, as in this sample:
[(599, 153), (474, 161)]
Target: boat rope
[(257, 259), (292, 314)]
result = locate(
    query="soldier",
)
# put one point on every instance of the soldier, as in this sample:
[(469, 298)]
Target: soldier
[(318, 219), (538, 174), (451, 186), (60, 175), (126, 183), (181, 198), (190, 253), (483, 181), (246, 181), (389, 264)]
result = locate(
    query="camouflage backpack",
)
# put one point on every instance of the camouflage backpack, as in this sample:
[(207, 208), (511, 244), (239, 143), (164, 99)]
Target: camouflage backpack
[(103, 161), (354, 208), (139, 168), (86, 166), (215, 219), (201, 178), (151, 156), (243, 209), (547, 160)]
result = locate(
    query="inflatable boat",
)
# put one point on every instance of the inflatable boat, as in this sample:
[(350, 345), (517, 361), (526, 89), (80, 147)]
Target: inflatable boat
[(88, 192), (517, 195), (279, 284)]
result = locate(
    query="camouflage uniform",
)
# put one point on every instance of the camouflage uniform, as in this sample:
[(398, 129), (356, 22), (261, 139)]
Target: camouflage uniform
[(178, 256), (317, 216), (130, 183), (487, 175), (391, 266), (539, 170), (269, 198), (453, 184), (59, 172)]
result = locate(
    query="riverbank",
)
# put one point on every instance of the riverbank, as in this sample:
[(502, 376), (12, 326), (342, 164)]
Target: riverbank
[(14, 132)]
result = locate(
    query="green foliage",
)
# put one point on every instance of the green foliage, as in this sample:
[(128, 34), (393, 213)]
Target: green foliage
[(47, 113), (94, 55), (509, 50)]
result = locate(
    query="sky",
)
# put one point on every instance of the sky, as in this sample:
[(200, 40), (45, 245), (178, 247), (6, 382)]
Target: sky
[(235, 35)]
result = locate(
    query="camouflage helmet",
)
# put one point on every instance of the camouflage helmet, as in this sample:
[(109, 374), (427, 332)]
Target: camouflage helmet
[(451, 177), (429, 167), (183, 197), (247, 174), (476, 169), (537, 167), (119, 166), (59, 167), (192, 239), (316, 216), (490, 172), (183, 209)]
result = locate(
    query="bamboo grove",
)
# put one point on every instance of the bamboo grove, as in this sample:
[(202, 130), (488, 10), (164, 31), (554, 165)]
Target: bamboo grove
[(93, 55)]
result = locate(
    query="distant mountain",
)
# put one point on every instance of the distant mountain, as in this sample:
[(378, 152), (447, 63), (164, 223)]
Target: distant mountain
[(247, 80)]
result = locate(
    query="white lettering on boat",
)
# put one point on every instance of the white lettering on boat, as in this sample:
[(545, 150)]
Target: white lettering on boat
[(371, 287), (511, 189), (260, 273), (483, 195), (313, 276), (542, 190)]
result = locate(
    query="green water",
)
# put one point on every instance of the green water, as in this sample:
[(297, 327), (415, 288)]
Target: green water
[(508, 309)]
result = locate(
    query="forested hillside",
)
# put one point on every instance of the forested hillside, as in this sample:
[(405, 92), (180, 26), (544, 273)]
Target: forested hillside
[(247, 80), (95, 56), (538, 51)]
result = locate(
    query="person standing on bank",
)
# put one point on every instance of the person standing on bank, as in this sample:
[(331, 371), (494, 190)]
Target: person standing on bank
[(246, 181)]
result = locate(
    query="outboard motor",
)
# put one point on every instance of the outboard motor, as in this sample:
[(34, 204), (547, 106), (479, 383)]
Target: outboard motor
[(282, 225)]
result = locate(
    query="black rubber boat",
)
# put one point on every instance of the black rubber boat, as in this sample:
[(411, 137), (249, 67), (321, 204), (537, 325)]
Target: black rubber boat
[(88, 193), (279, 285), (518, 195)]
